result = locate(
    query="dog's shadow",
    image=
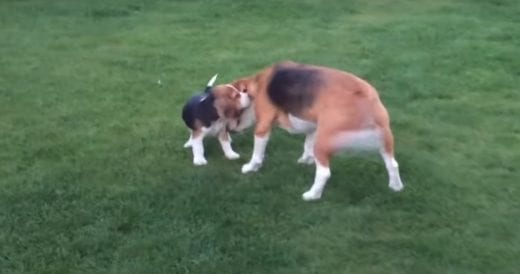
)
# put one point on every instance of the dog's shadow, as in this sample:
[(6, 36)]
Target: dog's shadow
[(357, 176)]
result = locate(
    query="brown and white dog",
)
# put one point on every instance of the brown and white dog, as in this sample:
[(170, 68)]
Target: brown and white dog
[(212, 113), (333, 108)]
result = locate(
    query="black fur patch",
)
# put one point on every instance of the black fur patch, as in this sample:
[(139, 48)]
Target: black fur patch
[(198, 109), (293, 89)]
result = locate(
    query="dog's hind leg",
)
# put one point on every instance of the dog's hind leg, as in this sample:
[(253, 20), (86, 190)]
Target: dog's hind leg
[(197, 147), (189, 142), (323, 150), (332, 136), (387, 149), (308, 149), (392, 167)]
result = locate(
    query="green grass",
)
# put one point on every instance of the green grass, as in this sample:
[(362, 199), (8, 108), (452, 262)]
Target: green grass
[(94, 179)]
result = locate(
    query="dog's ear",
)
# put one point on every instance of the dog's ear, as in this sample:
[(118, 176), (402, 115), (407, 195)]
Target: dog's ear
[(231, 113), (234, 95)]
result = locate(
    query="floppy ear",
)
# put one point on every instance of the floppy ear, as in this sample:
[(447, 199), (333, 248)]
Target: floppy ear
[(230, 112), (234, 95)]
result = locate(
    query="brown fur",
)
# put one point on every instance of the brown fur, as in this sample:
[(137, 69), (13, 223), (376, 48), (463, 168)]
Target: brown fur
[(215, 113), (343, 103), (227, 104)]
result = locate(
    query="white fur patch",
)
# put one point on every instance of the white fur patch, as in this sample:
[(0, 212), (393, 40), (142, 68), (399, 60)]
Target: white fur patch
[(198, 150), (299, 125), (258, 155), (245, 101), (366, 139), (226, 147), (321, 177), (212, 80), (308, 149), (392, 168), (215, 128)]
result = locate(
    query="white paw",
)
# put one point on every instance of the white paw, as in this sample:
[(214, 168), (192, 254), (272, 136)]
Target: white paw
[(306, 159), (249, 167), (199, 161), (311, 196), (187, 144), (232, 155), (396, 186)]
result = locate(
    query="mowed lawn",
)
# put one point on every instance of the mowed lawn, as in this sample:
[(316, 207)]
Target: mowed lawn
[(94, 178)]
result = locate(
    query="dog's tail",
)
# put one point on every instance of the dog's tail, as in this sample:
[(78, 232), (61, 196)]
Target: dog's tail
[(210, 83)]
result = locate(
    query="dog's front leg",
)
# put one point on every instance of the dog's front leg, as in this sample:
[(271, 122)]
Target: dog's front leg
[(225, 143), (262, 133)]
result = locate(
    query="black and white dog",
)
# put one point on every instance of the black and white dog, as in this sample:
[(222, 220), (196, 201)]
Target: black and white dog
[(213, 113)]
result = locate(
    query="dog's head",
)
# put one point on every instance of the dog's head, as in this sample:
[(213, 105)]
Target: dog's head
[(229, 102), (245, 86)]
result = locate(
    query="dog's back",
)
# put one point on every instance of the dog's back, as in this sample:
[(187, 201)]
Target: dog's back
[(199, 109)]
